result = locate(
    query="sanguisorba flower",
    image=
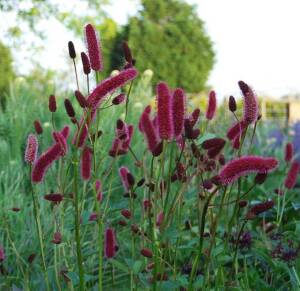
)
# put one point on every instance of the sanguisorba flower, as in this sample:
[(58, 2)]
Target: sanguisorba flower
[(86, 163), (94, 49), (212, 105), (85, 63), (164, 111), (52, 103), (178, 111), (242, 166), (96, 97), (250, 103), (31, 149), (123, 172), (289, 152), (147, 127), (110, 243), (259, 208), (291, 178)]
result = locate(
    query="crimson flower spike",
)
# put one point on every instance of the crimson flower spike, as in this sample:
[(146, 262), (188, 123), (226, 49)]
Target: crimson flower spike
[(109, 85), (164, 111), (94, 49), (178, 111), (291, 178), (239, 167), (250, 103), (110, 243), (289, 152), (31, 149), (42, 164), (52, 103), (212, 105), (147, 127), (259, 208), (86, 163), (85, 63)]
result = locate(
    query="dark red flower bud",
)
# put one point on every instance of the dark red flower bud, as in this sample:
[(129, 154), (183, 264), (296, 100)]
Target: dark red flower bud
[(119, 99), (130, 179), (71, 48), (38, 127), (122, 223), (126, 213), (127, 52), (81, 99), (147, 204), (207, 184), (243, 203), (291, 178), (57, 238), (110, 243), (213, 142), (31, 258), (216, 180), (289, 151), (69, 108), (52, 103), (54, 197), (85, 63), (16, 209), (141, 182), (146, 253), (232, 104), (134, 228), (259, 208), (222, 160), (260, 178)]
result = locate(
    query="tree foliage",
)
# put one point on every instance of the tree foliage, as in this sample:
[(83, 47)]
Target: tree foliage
[(6, 71), (168, 37)]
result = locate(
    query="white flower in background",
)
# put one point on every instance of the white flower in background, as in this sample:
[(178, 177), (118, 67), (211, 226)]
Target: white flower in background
[(46, 124), (114, 73), (137, 105), (148, 73)]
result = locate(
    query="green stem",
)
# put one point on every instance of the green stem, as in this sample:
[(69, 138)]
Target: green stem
[(39, 233), (77, 230)]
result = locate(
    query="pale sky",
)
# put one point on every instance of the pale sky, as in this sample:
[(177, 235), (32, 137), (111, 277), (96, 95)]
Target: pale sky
[(257, 41)]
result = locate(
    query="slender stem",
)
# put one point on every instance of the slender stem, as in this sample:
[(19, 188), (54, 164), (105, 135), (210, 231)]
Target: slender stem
[(127, 100), (77, 230), (76, 75), (39, 233)]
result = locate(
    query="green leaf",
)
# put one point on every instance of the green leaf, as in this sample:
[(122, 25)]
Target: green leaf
[(137, 267), (119, 265)]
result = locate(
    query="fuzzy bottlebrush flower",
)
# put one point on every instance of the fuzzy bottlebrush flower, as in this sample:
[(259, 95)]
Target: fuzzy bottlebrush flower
[(147, 127), (236, 130), (110, 243), (259, 208), (213, 143), (81, 99), (52, 103), (239, 167), (164, 111), (31, 149), (42, 164), (123, 172), (54, 197), (94, 49), (85, 63), (38, 127), (291, 178), (86, 163), (109, 85), (289, 152), (212, 105), (178, 111), (189, 131), (250, 103)]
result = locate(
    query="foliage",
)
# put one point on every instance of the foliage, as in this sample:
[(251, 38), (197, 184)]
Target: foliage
[(6, 72), (169, 38)]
